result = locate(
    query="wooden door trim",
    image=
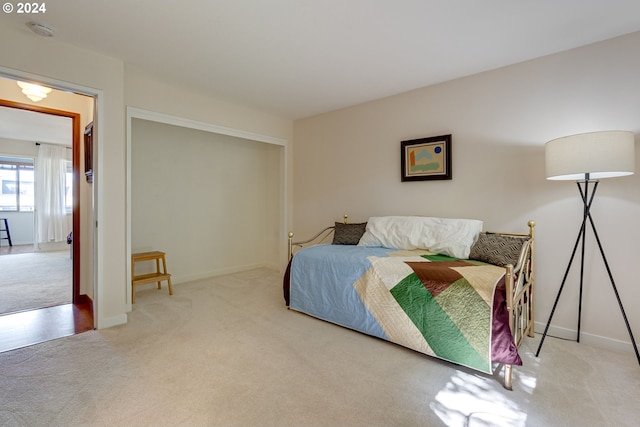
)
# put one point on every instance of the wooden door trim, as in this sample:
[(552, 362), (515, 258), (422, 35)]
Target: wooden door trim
[(75, 161)]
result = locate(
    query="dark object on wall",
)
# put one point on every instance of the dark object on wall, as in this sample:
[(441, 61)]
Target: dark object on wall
[(88, 152), (426, 158)]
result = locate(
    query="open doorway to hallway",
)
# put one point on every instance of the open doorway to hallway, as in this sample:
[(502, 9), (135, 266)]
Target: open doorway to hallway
[(52, 282)]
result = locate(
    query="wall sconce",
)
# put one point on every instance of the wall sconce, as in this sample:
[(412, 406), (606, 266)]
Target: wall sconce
[(34, 92)]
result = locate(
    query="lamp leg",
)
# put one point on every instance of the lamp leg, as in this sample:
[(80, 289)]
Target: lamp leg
[(586, 201), (581, 237), (615, 289), (564, 280)]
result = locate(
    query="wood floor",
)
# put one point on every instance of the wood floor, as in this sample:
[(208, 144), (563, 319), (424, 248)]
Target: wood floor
[(5, 249), (30, 327)]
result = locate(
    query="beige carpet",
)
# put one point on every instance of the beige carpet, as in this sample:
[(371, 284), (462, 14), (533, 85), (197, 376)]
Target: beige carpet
[(225, 352), (34, 280)]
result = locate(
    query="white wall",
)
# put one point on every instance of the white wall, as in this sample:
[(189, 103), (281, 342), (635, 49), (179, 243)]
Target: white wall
[(203, 198), (147, 93), (348, 161)]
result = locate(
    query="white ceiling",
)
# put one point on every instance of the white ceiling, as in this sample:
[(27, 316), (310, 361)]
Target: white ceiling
[(298, 58)]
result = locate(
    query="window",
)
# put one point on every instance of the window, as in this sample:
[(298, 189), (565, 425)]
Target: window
[(17, 189), (16, 184)]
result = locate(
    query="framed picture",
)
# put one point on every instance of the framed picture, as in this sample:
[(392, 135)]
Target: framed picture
[(88, 152), (426, 158)]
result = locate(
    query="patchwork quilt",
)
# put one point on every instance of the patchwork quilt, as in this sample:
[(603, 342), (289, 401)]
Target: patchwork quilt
[(434, 304)]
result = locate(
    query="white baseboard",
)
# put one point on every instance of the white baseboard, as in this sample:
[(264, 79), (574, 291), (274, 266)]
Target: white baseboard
[(53, 246), (586, 338), (107, 322), (216, 272)]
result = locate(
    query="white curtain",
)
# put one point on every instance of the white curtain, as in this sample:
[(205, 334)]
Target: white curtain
[(51, 168)]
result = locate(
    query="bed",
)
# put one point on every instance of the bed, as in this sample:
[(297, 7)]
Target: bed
[(439, 286)]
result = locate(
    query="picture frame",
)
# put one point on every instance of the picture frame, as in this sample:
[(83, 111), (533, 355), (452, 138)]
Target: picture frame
[(426, 159), (88, 152)]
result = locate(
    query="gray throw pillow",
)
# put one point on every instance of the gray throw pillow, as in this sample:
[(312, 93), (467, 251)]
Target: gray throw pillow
[(496, 249), (348, 234)]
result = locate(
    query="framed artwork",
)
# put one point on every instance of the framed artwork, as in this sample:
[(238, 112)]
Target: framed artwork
[(426, 158), (88, 152)]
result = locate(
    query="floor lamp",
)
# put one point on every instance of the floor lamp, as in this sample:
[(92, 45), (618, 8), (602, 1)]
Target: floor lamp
[(586, 158)]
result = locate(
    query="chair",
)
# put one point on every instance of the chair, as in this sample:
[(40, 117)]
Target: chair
[(4, 222)]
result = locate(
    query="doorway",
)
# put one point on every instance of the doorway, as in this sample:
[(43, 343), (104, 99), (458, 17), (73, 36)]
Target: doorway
[(77, 315)]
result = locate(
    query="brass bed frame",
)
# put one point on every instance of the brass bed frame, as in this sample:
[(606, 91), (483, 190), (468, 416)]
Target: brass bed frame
[(519, 284)]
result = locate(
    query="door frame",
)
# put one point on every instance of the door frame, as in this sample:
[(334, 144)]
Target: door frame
[(75, 161)]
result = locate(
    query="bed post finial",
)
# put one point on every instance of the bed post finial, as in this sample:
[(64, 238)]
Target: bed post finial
[(531, 225), (345, 218), (290, 245)]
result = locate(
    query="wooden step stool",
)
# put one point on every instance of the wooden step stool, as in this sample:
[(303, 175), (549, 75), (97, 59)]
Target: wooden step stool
[(142, 279)]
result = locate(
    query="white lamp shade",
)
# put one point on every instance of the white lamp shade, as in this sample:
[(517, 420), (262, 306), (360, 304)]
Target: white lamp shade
[(603, 154)]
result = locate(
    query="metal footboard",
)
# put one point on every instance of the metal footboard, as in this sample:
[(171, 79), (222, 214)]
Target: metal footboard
[(519, 287)]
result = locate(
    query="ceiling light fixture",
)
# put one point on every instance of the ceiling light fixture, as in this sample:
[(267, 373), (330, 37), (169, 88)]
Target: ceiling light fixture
[(34, 92)]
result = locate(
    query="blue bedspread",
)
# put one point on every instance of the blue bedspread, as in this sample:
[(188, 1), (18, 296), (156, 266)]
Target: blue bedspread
[(434, 304), (332, 266)]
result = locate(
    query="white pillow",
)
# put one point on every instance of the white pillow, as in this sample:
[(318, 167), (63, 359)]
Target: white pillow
[(453, 237)]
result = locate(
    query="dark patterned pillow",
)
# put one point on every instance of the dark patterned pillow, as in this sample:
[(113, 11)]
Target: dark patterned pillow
[(348, 234), (496, 249)]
